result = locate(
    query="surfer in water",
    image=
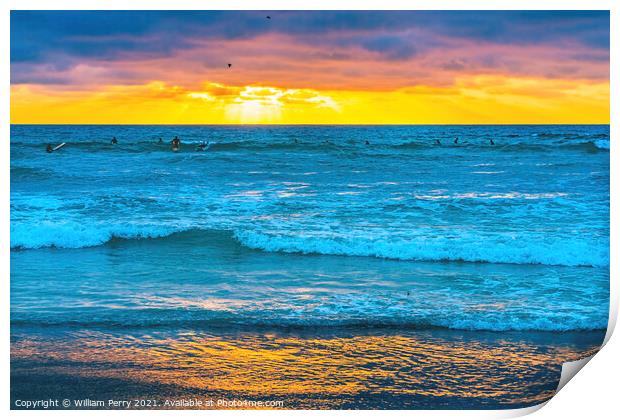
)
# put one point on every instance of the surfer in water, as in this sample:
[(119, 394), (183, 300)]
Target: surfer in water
[(160, 141), (437, 142), (367, 142), (202, 146), (492, 142), (50, 149), (456, 140), (176, 143), (114, 141)]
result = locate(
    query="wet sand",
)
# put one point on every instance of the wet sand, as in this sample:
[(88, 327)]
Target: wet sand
[(342, 368)]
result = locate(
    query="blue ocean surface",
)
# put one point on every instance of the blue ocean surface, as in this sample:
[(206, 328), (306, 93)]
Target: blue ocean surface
[(317, 226)]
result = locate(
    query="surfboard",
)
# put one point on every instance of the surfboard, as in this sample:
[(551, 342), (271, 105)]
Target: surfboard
[(59, 146)]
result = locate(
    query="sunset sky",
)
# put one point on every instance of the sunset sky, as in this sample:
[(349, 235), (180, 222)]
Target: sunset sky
[(171, 67)]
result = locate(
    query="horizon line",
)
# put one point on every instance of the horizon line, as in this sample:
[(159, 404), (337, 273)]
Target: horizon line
[(311, 125)]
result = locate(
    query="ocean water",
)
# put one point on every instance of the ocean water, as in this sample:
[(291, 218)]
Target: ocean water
[(401, 273), (311, 226)]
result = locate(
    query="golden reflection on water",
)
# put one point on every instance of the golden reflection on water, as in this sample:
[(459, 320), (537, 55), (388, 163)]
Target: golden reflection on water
[(254, 364)]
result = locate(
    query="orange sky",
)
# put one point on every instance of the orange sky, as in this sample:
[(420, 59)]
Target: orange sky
[(309, 68)]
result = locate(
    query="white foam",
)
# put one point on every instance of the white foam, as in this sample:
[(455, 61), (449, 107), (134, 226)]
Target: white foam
[(602, 143), (75, 235), (467, 247)]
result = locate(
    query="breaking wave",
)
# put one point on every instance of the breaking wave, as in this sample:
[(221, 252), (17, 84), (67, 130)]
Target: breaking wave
[(465, 248)]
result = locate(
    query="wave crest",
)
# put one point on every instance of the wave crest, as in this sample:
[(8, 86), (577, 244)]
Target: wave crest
[(75, 235), (423, 247), (574, 252)]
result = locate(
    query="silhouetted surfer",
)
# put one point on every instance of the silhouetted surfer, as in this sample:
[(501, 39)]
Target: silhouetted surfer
[(160, 141), (437, 142), (367, 142), (176, 143), (201, 147), (492, 142), (456, 140), (114, 141), (49, 148)]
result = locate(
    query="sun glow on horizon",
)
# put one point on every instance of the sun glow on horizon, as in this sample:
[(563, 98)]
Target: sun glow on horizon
[(476, 99)]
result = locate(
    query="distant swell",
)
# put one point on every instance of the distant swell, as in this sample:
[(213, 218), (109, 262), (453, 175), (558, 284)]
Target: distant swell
[(468, 248), (540, 142)]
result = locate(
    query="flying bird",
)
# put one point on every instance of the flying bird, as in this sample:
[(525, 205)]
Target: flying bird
[(268, 17), (229, 65)]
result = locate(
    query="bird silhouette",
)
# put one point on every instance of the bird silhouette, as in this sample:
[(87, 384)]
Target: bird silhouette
[(229, 65), (268, 17)]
